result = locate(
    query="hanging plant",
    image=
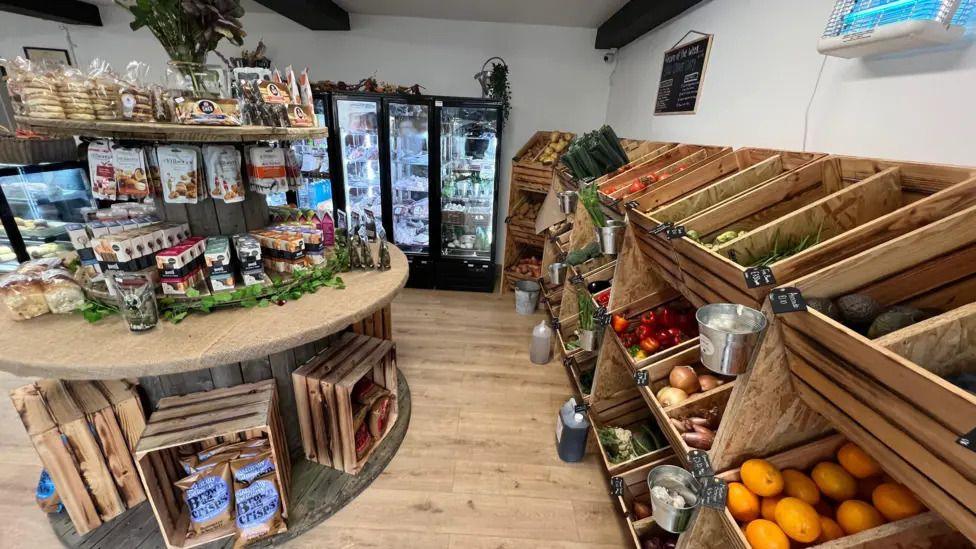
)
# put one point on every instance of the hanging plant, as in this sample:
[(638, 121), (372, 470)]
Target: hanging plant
[(499, 89), (188, 29)]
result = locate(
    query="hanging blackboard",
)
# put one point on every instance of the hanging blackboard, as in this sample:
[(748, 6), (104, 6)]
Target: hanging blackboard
[(681, 77)]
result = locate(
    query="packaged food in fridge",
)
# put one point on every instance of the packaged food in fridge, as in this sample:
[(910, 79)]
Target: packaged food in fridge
[(23, 294), (223, 168)]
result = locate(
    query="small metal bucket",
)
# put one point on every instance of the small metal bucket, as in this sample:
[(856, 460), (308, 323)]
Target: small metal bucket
[(567, 201), (589, 340), (526, 296), (557, 273), (674, 519), (729, 335), (610, 237)]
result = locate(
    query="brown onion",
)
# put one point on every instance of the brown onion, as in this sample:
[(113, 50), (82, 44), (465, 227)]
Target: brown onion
[(684, 378), (709, 382), (669, 396)]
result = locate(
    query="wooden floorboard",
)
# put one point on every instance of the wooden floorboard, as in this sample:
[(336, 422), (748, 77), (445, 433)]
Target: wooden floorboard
[(477, 469)]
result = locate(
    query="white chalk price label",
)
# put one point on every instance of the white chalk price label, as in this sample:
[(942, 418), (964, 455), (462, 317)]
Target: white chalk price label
[(701, 466), (676, 231), (968, 440), (787, 300), (641, 378), (632, 205), (578, 279), (757, 277), (714, 493), (660, 228), (616, 486)]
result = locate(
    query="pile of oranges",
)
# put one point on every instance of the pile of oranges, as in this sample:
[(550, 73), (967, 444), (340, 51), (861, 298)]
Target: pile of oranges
[(777, 508)]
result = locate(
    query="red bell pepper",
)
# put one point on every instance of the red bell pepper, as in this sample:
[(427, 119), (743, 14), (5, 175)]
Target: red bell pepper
[(664, 338), (649, 319), (649, 345), (644, 331), (666, 317), (676, 335), (629, 339), (619, 323)]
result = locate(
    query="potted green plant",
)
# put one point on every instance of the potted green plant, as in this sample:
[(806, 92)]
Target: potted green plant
[(189, 30), (588, 327), (609, 232)]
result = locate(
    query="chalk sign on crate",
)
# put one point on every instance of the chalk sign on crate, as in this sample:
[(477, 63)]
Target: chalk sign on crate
[(681, 76)]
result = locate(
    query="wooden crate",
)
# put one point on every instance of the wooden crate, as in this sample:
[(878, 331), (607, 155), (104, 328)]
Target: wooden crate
[(528, 173), (625, 409), (853, 203), (893, 387), (577, 371), (201, 420), (665, 297), (379, 324), (657, 374), (323, 387), (670, 163), (569, 308), (514, 252), (635, 489), (84, 432), (724, 177), (926, 530)]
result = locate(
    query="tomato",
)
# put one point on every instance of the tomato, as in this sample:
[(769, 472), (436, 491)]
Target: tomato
[(651, 178), (610, 189), (649, 319), (649, 345), (666, 317), (676, 335), (644, 331), (619, 323), (636, 187)]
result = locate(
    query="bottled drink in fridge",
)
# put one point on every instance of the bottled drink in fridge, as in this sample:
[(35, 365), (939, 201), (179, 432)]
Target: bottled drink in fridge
[(541, 350), (571, 430)]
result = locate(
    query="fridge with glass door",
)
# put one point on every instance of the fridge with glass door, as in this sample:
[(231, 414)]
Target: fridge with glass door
[(469, 144), (358, 146), (410, 186)]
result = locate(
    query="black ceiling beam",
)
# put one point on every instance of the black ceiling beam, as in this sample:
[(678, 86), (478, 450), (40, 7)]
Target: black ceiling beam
[(62, 11), (312, 14), (635, 19)]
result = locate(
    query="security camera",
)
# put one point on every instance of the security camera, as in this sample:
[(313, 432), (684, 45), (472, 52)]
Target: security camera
[(610, 55)]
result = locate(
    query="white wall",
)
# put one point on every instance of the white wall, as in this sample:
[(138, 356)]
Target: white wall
[(761, 74), (558, 80)]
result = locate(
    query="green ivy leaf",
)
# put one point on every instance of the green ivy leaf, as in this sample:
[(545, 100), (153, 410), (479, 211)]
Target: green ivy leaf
[(208, 302), (222, 297), (264, 303), (249, 302), (193, 292), (176, 318)]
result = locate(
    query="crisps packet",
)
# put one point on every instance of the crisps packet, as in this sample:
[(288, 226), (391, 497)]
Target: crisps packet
[(258, 499), (210, 499)]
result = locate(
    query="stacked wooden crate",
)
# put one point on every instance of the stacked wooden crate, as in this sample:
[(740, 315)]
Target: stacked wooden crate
[(85, 432), (331, 419)]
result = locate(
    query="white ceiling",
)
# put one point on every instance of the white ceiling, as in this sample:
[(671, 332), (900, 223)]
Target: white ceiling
[(563, 13)]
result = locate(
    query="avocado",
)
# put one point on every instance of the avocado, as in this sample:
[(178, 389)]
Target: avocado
[(592, 250), (858, 310), (824, 305), (895, 318), (576, 257)]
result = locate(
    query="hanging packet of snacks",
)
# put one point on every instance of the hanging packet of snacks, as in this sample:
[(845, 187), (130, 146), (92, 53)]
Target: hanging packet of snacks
[(266, 169), (37, 89), (135, 102), (293, 169), (131, 174), (73, 90), (162, 104), (152, 170), (180, 173), (103, 89), (101, 170), (223, 168)]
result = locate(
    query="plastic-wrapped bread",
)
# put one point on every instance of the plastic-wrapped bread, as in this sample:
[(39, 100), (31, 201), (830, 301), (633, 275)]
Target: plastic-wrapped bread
[(37, 90), (23, 294), (61, 293), (73, 90), (103, 90)]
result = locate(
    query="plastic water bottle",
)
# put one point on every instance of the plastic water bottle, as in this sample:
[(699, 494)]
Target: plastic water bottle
[(541, 350), (572, 428)]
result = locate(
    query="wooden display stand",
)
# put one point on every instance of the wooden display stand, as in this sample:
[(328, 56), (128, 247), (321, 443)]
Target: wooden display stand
[(222, 415), (85, 432), (326, 406), (664, 166)]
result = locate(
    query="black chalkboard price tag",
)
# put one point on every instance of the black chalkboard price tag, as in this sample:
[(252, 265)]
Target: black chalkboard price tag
[(676, 231), (561, 256), (757, 277), (641, 378), (660, 228), (701, 466), (508, 220), (581, 408), (578, 279), (555, 324), (631, 205), (714, 493), (787, 300), (567, 361), (968, 440), (616, 486)]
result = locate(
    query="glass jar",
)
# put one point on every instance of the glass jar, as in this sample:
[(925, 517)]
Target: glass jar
[(137, 301), (197, 80)]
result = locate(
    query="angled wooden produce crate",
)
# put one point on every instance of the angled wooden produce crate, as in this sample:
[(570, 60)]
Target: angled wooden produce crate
[(667, 165), (891, 392), (926, 530), (635, 489), (528, 172), (850, 204)]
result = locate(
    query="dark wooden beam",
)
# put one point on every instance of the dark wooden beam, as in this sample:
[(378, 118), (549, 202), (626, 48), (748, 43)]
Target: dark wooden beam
[(62, 11), (312, 14), (635, 19)]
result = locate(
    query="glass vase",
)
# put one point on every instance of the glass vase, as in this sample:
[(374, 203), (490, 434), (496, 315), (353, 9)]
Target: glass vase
[(197, 80)]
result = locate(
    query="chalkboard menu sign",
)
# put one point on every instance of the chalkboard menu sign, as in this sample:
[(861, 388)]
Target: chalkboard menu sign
[(681, 77)]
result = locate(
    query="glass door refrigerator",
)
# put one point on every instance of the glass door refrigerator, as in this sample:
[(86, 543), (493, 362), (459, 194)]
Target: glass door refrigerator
[(470, 133), (359, 144), (410, 187)]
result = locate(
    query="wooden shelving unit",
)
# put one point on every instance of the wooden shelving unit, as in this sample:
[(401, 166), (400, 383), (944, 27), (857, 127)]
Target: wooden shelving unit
[(152, 131)]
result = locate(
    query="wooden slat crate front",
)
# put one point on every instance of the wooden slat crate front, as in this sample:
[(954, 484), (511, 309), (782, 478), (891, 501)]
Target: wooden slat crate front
[(625, 409), (84, 433), (203, 420), (527, 172), (323, 388), (635, 489), (664, 167), (852, 204), (894, 387)]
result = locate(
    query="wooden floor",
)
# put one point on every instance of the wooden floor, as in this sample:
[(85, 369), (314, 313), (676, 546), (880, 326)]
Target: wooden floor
[(477, 469)]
